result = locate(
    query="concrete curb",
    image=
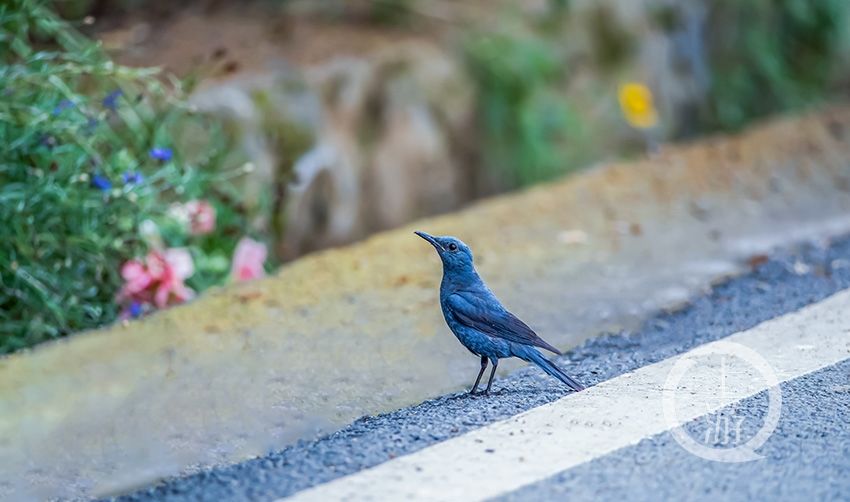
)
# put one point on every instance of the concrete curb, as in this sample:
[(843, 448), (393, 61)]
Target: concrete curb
[(357, 330)]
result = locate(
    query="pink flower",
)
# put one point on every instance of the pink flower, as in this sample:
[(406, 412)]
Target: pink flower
[(159, 279), (201, 217), (248, 260), (171, 268), (136, 278)]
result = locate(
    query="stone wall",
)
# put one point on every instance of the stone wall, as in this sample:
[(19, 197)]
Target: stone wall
[(355, 124)]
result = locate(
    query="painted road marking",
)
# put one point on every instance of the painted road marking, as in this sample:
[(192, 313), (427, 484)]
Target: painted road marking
[(544, 441)]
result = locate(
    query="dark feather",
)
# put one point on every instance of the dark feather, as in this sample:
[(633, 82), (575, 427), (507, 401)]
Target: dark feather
[(488, 316)]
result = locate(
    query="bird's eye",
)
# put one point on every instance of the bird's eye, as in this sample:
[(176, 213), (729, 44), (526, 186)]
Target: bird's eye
[(452, 247)]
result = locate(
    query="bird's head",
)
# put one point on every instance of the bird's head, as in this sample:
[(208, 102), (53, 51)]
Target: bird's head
[(455, 254)]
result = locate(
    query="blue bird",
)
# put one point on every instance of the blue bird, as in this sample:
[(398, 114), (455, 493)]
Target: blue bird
[(478, 319)]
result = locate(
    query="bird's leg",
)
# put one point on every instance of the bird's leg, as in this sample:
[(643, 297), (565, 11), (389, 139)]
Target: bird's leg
[(492, 374), (477, 380)]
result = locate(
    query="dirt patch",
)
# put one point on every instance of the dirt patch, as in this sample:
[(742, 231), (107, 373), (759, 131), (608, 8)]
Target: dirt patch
[(250, 40)]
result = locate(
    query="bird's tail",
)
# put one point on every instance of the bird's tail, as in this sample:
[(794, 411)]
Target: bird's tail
[(532, 355)]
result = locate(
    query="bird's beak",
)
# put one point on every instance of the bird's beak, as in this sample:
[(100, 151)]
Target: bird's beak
[(429, 238)]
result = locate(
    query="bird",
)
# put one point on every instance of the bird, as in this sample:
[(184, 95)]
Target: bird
[(479, 320)]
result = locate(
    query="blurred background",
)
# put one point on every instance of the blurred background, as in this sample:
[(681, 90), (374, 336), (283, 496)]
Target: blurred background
[(154, 149)]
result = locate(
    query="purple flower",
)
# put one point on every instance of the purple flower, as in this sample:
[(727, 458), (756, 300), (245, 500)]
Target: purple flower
[(48, 141), (133, 178), (110, 102), (100, 182), (135, 309), (161, 154), (91, 125), (62, 106)]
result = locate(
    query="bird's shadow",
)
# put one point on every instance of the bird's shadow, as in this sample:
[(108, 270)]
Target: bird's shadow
[(492, 393), (520, 391), (466, 395)]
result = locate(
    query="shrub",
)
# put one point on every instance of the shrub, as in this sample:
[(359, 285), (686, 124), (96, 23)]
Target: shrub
[(767, 56), (531, 131), (91, 151)]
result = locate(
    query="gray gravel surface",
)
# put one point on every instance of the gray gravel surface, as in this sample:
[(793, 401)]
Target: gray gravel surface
[(772, 288)]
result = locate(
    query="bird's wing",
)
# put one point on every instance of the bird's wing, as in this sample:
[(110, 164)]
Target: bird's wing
[(488, 316)]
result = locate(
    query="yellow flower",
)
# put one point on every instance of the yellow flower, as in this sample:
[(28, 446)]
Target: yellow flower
[(636, 104)]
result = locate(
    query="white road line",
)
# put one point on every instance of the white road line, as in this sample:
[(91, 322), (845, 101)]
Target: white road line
[(544, 441)]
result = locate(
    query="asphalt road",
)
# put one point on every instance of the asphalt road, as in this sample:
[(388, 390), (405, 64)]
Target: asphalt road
[(806, 458), (807, 455)]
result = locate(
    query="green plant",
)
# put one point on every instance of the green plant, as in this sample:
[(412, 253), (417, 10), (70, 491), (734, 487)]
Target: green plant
[(531, 131), (770, 55), (91, 151)]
